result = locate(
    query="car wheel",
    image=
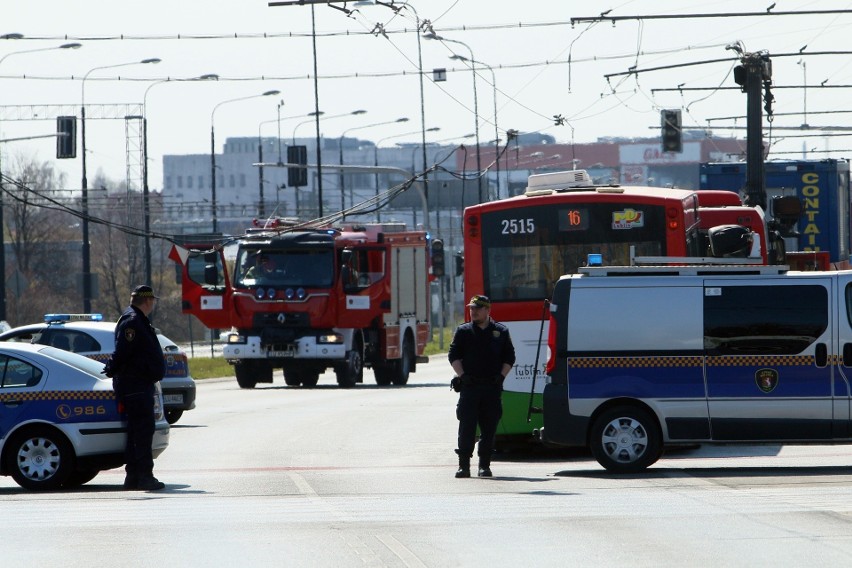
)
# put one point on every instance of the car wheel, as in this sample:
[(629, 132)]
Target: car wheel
[(40, 459), (173, 416), (626, 439), (78, 478)]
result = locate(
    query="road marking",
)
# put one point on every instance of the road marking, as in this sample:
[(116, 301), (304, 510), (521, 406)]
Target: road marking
[(400, 550), (305, 489)]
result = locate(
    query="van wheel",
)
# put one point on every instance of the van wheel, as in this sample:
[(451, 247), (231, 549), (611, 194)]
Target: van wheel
[(626, 439), (39, 459)]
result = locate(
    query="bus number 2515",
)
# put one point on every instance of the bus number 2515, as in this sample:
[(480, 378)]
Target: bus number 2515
[(518, 226)]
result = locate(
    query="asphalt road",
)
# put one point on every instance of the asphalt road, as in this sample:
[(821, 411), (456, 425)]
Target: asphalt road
[(280, 476)]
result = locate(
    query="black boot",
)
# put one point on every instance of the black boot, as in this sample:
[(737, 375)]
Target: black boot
[(485, 468), (464, 466)]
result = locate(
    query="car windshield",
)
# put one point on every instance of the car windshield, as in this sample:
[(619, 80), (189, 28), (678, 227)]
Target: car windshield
[(88, 366)]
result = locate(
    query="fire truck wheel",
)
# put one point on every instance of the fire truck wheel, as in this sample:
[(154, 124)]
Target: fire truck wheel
[(352, 371), (384, 373), (626, 439), (405, 363), (310, 379), (292, 378), (246, 374)]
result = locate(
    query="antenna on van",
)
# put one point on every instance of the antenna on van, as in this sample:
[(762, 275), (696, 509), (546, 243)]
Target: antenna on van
[(530, 408)]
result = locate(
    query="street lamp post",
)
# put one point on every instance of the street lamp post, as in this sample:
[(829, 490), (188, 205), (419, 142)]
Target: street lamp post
[(213, 150), (340, 148), (2, 228), (84, 195), (146, 206), (496, 129), (472, 60)]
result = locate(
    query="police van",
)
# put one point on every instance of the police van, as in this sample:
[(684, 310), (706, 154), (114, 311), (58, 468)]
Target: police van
[(647, 356)]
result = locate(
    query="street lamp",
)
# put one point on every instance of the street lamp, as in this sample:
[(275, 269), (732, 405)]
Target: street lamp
[(145, 193), (433, 35), (376, 157), (2, 229), (317, 115), (496, 130), (340, 147), (213, 148), (84, 196)]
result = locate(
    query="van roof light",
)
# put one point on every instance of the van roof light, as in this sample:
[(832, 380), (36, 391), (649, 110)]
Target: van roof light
[(594, 259)]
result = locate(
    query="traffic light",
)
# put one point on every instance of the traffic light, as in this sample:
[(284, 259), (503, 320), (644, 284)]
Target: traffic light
[(459, 264), (671, 131), (437, 257), (297, 177), (66, 139)]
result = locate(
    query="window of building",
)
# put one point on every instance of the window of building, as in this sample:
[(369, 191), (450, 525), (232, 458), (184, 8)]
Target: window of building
[(233, 180), (180, 181), (189, 181), (242, 180)]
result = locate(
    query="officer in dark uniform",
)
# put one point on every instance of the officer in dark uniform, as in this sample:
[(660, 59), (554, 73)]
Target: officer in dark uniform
[(482, 355), (135, 367)]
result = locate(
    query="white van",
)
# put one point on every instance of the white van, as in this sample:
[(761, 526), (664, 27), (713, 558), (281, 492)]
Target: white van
[(642, 357)]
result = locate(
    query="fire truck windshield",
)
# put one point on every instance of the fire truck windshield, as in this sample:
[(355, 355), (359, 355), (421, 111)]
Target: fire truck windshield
[(305, 267)]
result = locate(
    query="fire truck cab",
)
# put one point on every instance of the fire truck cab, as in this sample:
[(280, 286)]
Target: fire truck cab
[(305, 300)]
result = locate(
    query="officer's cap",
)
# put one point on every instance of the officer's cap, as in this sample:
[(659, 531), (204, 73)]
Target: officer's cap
[(143, 291), (479, 301)]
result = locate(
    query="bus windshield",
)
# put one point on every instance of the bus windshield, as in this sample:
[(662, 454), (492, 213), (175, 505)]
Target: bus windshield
[(526, 249)]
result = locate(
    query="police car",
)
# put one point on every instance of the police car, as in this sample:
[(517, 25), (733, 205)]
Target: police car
[(89, 335), (60, 423)]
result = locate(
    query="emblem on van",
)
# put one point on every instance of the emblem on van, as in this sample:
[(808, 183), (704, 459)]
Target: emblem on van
[(766, 379)]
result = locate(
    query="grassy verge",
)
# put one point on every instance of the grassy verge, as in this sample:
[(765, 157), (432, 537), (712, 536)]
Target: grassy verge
[(211, 367)]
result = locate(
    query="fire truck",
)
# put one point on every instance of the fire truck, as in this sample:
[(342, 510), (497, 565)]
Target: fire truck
[(306, 300)]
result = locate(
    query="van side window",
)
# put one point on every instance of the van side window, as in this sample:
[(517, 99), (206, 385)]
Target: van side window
[(775, 320)]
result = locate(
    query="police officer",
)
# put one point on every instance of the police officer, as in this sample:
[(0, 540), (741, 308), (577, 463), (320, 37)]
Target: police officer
[(481, 354), (135, 366)]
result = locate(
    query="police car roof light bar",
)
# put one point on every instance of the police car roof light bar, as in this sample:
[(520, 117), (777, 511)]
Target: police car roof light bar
[(57, 318)]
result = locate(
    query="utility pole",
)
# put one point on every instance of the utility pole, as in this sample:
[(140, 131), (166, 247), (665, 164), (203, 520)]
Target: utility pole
[(754, 76)]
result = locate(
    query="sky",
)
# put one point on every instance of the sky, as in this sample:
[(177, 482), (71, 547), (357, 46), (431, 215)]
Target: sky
[(569, 81)]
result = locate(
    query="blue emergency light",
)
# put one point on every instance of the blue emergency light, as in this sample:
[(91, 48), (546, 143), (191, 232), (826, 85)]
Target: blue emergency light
[(58, 318), (594, 259)]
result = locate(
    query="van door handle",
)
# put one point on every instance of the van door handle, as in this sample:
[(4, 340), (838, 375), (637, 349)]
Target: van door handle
[(847, 354), (821, 357)]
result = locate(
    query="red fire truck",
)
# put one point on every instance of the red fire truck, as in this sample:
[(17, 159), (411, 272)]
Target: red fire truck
[(305, 300)]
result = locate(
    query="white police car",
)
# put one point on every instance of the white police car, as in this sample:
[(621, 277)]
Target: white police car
[(89, 335), (60, 423)]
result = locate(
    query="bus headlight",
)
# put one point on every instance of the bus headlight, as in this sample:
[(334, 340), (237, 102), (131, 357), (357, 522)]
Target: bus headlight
[(236, 338)]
